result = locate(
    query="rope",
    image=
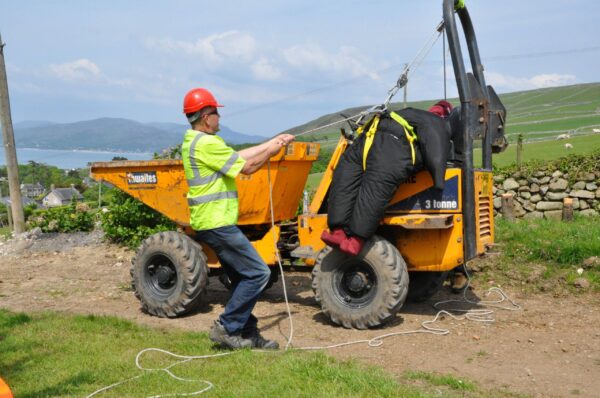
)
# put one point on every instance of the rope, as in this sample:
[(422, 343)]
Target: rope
[(287, 304), (401, 82), (358, 115), (477, 315)]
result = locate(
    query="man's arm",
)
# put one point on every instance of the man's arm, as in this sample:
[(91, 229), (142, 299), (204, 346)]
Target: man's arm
[(258, 155)]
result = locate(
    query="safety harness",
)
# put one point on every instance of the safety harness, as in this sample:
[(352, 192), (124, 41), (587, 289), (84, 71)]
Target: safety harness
[(409, 131)]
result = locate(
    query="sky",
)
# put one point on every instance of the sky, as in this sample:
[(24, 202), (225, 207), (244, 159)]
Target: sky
[(273, 64)]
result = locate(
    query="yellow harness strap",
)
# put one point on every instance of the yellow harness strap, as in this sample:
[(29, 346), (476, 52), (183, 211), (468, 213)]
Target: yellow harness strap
[(409, 131), (369, 138)]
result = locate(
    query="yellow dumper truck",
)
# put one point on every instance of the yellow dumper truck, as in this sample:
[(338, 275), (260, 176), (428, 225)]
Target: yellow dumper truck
[(424, 233)]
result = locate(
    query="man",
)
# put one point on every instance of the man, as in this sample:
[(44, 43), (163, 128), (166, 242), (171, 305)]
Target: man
[(210, 169)]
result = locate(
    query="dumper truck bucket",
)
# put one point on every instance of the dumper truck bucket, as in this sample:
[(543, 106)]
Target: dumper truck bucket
[(161, 184)]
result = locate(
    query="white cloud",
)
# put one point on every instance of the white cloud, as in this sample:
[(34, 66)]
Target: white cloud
[(79, 70), (552, 80), (264, 70), (512, 83), (348, 61), (214, 49), (85, 71)]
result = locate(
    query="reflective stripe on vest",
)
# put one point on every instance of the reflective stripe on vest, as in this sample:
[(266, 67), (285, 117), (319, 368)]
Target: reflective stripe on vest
[(198, 200), (197, 180)]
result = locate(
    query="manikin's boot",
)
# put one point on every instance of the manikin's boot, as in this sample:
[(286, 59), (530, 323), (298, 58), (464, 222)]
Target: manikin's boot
[(333, 238), (352, 245)]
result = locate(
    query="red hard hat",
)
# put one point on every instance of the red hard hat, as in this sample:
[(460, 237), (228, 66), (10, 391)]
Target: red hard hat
[(197, 99)]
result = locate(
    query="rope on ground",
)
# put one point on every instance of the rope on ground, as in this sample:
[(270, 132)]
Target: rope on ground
[(478, 315)]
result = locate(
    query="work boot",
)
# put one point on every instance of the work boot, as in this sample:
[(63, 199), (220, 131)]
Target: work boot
[(352, 245), (258, 341), (459, 282), (218, 334), (333, 238)]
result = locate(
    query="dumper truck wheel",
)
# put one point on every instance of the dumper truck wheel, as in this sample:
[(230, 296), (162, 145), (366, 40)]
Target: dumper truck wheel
[(423, 285), (361, 291), (169, 274)]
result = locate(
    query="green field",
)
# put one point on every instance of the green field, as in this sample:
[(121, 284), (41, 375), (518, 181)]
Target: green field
[(542, 113), (544, 150)]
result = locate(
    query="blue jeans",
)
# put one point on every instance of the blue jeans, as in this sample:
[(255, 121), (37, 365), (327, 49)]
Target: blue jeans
[(247, 271)]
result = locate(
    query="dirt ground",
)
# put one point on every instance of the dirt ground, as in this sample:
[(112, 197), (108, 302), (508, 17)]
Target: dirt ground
[(548, 348)]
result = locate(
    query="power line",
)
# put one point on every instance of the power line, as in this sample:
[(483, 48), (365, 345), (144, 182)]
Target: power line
[(543, 54), (400, 66)]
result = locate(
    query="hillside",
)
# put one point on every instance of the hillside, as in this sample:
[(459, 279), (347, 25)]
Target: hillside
[(110, 134), (537, 114)]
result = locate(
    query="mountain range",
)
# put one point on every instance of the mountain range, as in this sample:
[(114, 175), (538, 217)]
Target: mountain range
[(537, 113), (111, 134)]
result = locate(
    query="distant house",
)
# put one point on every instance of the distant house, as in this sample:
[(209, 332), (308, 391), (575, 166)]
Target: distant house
[(61, 197), (89, 181), (24, 200), (32, 190)]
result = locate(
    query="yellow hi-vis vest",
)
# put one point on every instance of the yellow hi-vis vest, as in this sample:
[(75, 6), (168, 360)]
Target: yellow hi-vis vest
[(210, 169)]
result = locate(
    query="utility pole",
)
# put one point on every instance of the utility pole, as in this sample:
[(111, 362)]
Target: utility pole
[(8, 137)]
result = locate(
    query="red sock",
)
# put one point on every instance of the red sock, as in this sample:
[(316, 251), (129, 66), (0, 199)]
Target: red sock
[(352, 245)]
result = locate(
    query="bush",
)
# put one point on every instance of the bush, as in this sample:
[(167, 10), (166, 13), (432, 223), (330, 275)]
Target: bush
[(71, 218), (573, 165), (129, 221)]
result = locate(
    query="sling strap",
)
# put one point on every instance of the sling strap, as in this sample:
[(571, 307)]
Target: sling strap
[(409, 131)]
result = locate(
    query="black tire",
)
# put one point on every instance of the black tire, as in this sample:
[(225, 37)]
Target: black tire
[(423, 285), (226, 282), (169, 274), (361, 291)]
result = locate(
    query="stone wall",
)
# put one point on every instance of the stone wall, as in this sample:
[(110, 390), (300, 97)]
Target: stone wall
[(541, 194)]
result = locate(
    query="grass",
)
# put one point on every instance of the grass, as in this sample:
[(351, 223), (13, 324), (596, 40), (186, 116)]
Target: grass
[(543, 150), (313, 181), (58, 355), (4, 231), (51, 355), (441, 380), (563, 243), (546, 254)]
